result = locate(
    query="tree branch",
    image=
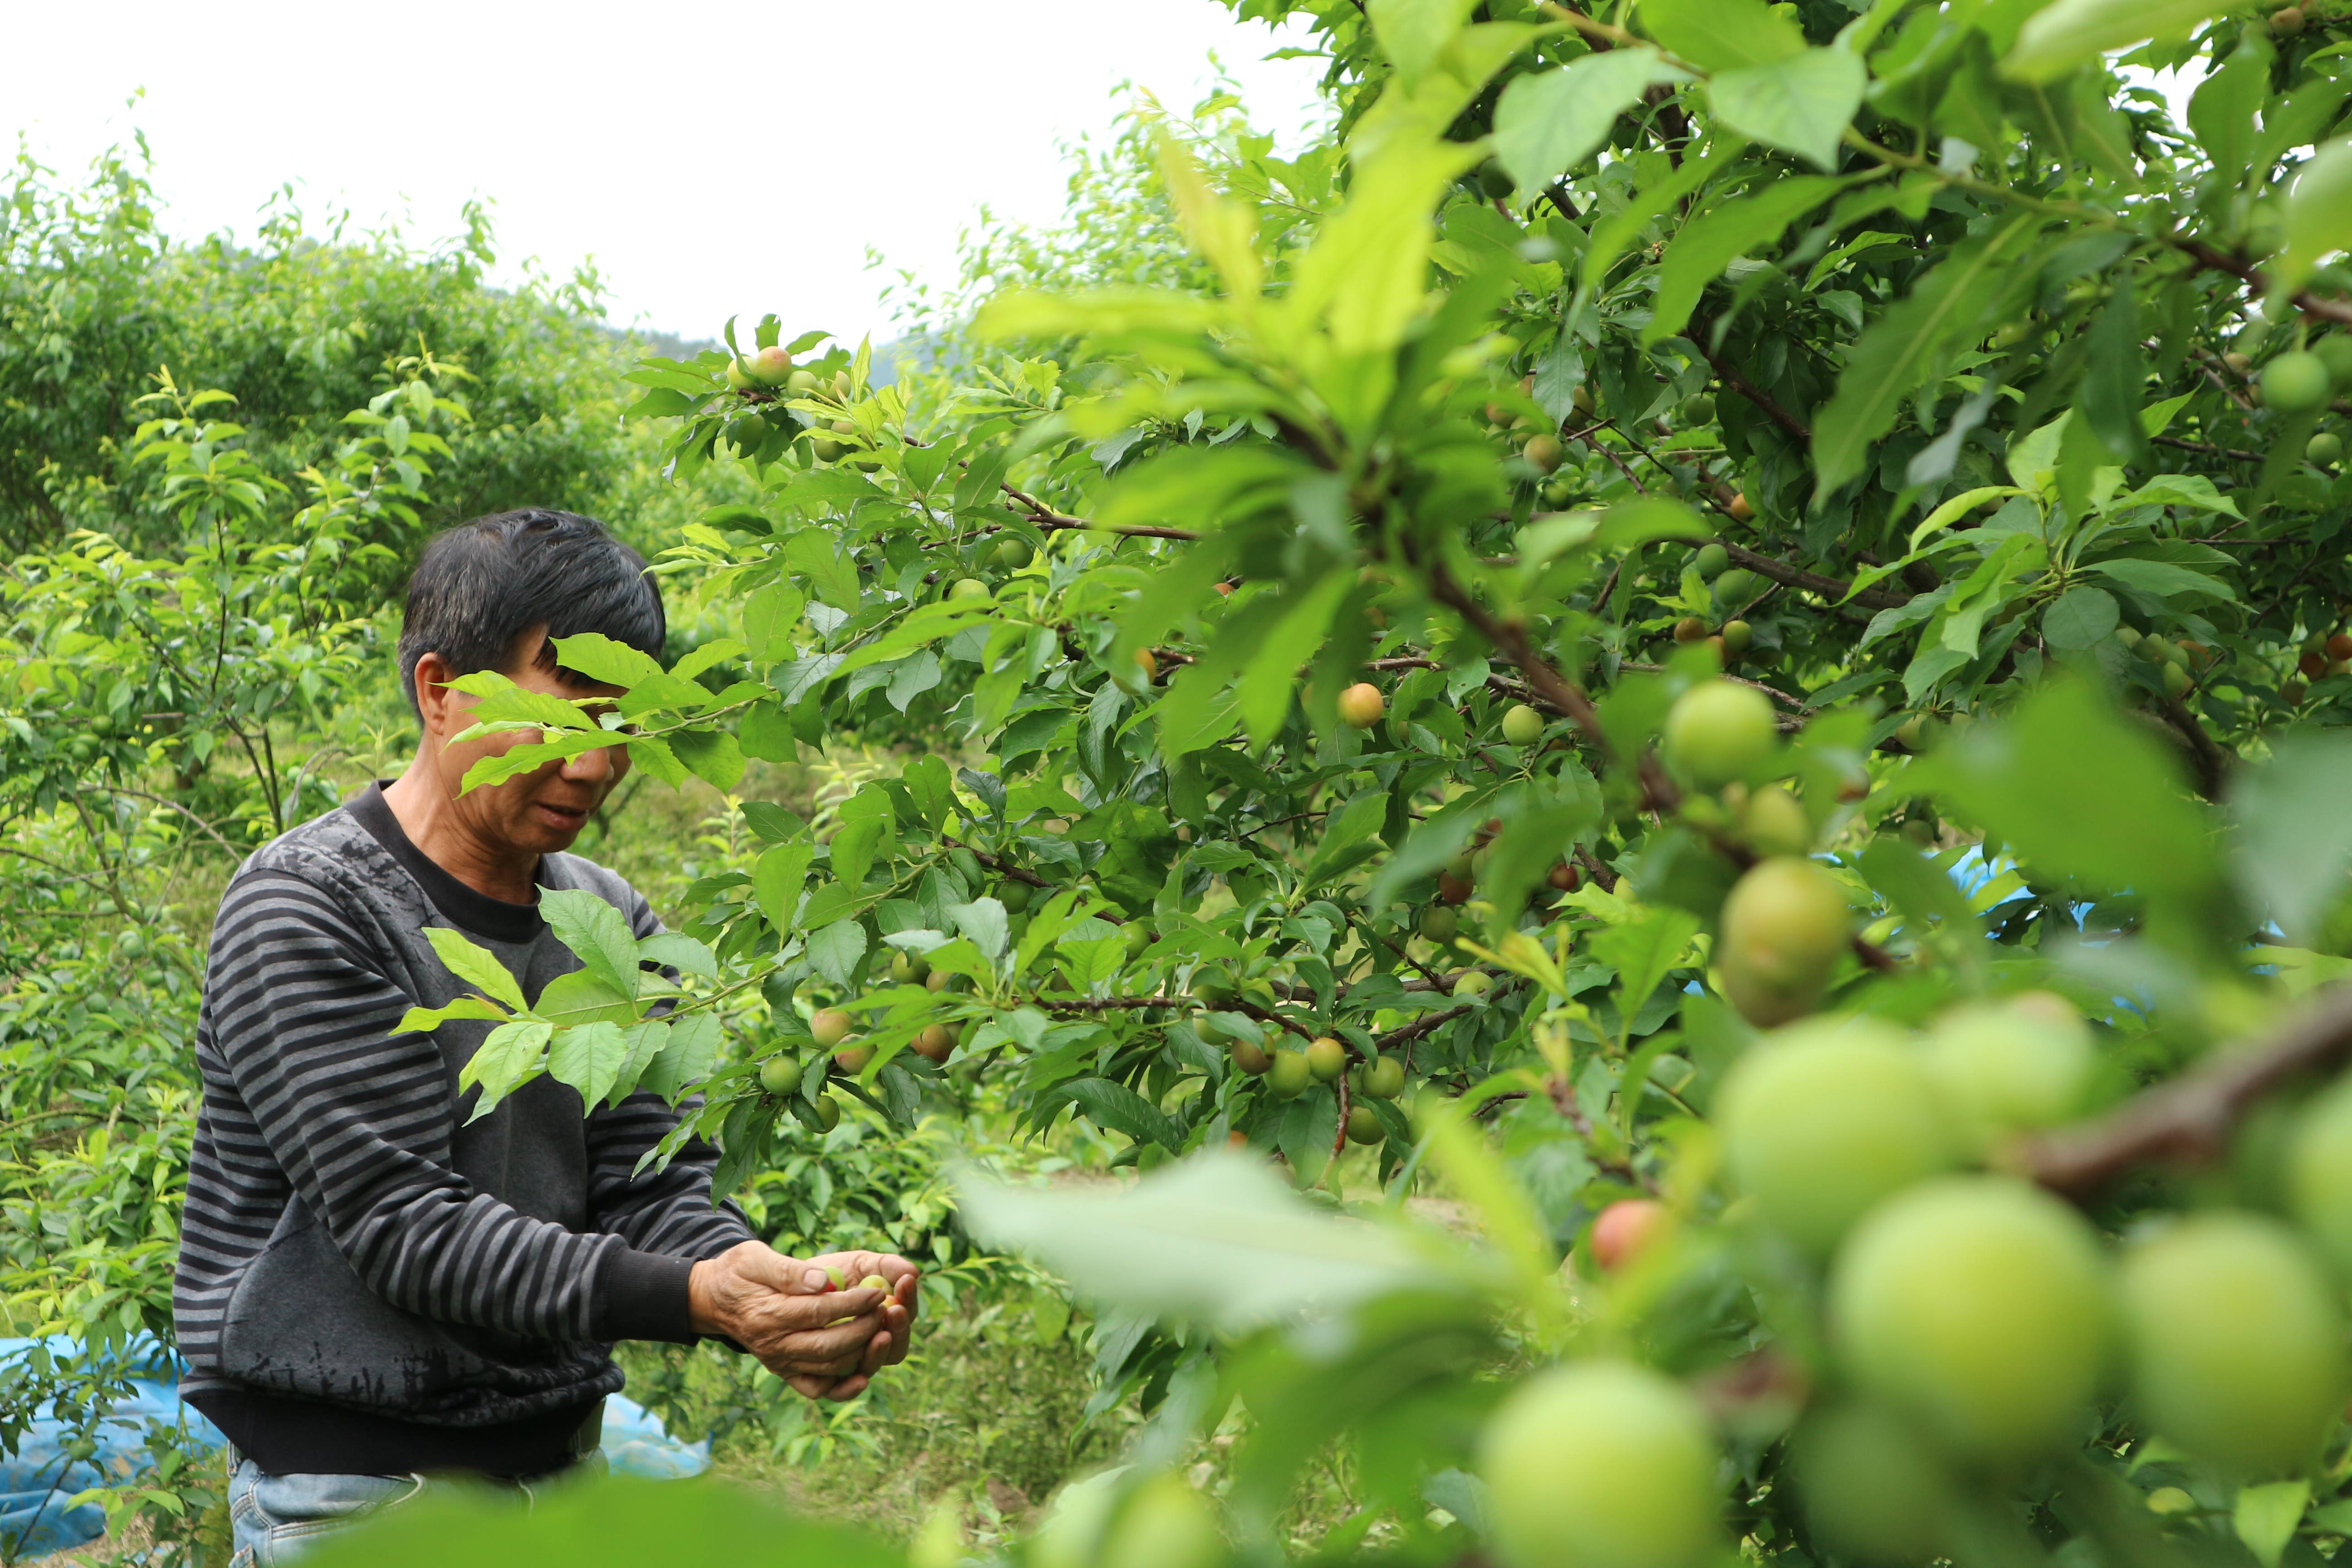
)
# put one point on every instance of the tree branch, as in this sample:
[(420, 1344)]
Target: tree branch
[(1702, 332), (1046, 518), (2189, 1117)]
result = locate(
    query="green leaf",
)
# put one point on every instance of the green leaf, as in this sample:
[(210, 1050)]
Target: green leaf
[(2162, 579), (711, 754), (476, 965), (596, 933), (1903, 347), (675, 950), (600, 1524), (1723, 34), (1709, 244), (2293, 836), (1345, 830), (1270, 682), (600, 659), (1366, 273), (508, 1058), (685, 1058), (581, 997), (834, 950), (424, 1020), (642, 1042), (652, 754), (2264, 1518), (2060, 37), (985, 922), (1219, 1239), (770, 822), (1116, 1108), (513, 762), (777, 881), (589, 1059), (1615, 234), (1801, 104), (1547, 123), (1411, 32), (1643, 950), (2079, 791), (2318, 213), (2079, 617)]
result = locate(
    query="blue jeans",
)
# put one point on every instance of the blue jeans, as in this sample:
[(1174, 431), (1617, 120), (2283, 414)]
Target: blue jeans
[(276, 1519)]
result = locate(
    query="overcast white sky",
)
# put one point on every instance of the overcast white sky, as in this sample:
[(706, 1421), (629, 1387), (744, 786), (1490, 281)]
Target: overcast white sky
[(712, 159)]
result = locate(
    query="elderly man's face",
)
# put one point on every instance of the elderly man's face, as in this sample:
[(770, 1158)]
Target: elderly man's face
[(541, 811)]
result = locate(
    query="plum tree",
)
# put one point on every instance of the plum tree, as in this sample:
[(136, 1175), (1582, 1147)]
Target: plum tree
[(1784, 928), (1601, 1464), (2235, 1341), (1824, 1120), (1983, 1307)]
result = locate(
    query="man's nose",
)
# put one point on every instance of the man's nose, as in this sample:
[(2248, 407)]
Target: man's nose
[(591, 767)]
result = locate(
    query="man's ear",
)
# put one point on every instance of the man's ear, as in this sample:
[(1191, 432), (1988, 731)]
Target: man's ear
[(432, 697)]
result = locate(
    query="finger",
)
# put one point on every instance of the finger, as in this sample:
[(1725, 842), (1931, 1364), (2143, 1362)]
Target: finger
[(811, 1349), (763, 1264), (809, 1384), (848, 1388), (877, 1352), (862, 1303), (800, 1310)]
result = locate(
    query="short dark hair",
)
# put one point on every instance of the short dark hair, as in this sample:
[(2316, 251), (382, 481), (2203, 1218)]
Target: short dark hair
[(483, 584)]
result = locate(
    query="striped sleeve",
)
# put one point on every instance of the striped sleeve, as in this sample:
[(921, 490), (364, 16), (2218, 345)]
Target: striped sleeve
[(359, 1119)]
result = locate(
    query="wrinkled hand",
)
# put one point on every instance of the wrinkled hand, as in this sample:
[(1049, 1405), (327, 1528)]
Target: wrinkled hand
[(826, 1343)]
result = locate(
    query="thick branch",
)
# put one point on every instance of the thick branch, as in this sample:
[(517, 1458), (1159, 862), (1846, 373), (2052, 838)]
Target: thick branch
[(2189, 1117), (1789, 576)]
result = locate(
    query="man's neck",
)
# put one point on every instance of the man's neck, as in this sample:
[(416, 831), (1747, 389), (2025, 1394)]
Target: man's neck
[(428, 813)]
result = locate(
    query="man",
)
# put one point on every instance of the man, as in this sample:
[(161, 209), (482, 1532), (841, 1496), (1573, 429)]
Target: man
[(370, 1287)]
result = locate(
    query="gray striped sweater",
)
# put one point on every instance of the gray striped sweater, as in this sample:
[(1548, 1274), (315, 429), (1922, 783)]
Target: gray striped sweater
[(367, 1283)]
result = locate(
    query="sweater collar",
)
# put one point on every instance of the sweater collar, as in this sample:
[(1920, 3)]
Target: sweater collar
[(465, 907)]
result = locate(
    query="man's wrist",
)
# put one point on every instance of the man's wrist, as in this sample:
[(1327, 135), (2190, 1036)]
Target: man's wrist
[(701, 1308)]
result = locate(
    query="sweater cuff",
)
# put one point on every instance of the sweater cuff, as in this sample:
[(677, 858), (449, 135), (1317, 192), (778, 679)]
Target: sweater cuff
[(643, 1296)]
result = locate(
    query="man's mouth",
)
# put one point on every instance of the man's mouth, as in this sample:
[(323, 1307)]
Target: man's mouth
[(568, 817)]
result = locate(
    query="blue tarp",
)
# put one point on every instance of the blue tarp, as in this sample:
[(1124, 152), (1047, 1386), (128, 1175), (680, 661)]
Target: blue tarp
[(35, 1483)]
